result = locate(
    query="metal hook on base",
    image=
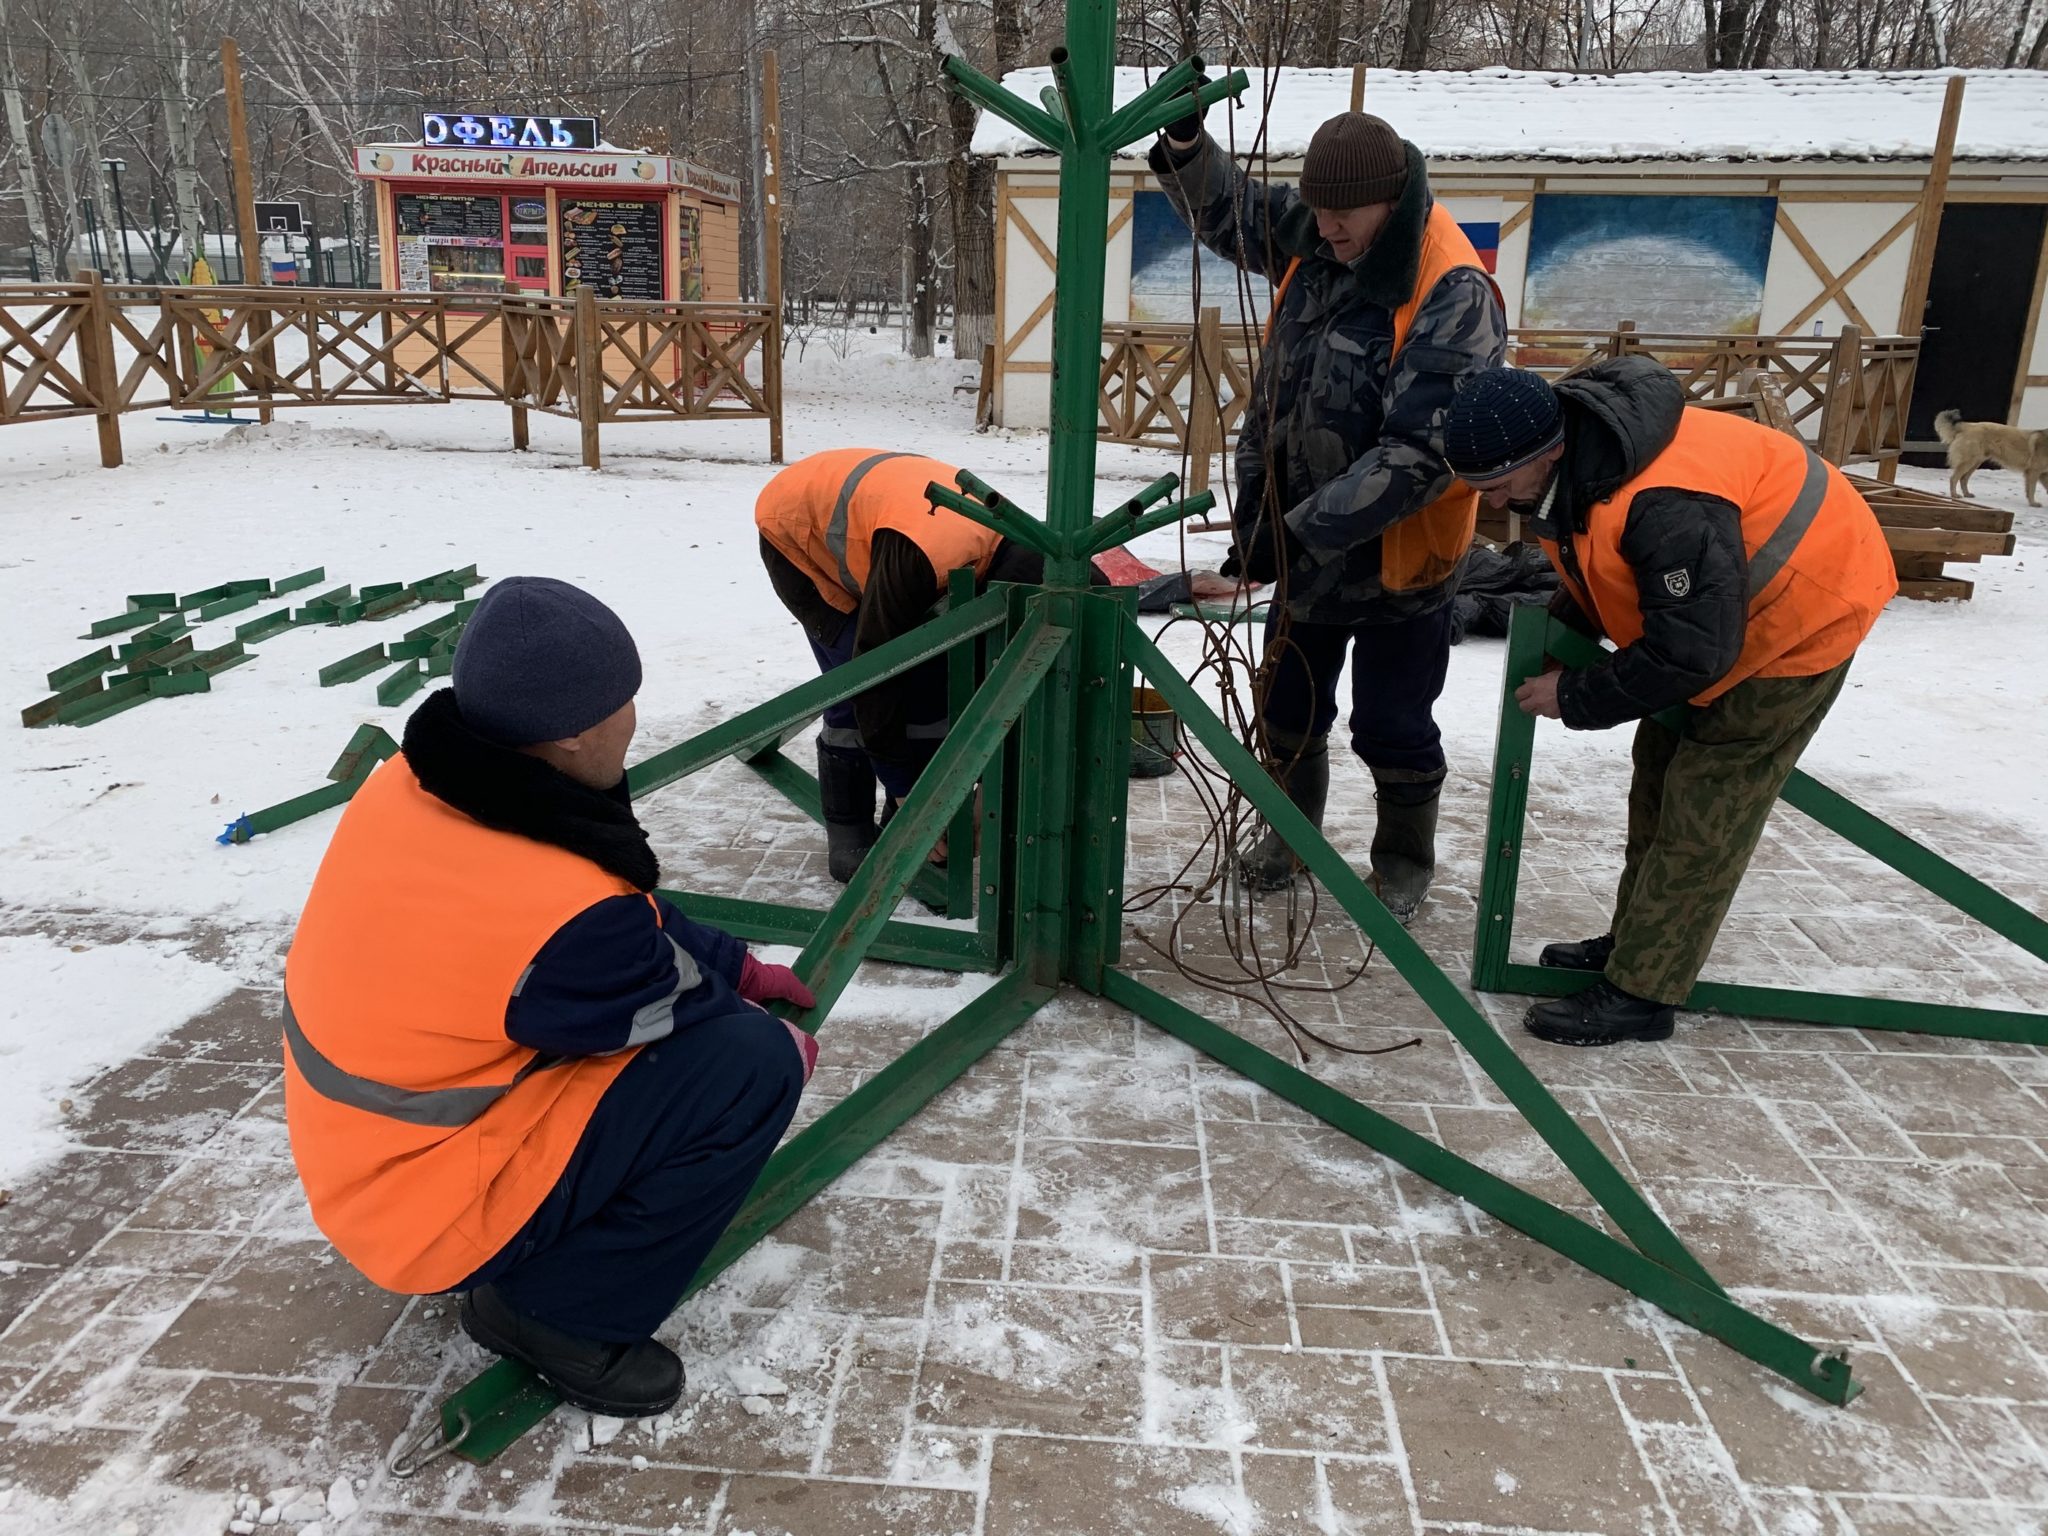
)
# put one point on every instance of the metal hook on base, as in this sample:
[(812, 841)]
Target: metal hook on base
[(407, 1460)]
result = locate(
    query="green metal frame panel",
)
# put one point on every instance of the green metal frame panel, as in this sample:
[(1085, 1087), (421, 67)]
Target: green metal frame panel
[(275, 622), (401, 683), (769, 922), (296, 583), (234, 602), (74, 672), (1532, 638), (352, 666)]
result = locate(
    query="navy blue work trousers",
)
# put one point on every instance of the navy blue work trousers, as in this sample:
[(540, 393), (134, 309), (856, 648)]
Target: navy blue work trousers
[(1397, 673), (674, 1146)]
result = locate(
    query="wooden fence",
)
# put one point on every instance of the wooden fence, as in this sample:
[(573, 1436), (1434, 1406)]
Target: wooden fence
[(90, 348), (1848, 394)]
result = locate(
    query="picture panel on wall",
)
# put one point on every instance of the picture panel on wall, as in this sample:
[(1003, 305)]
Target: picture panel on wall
[(1693, 265)]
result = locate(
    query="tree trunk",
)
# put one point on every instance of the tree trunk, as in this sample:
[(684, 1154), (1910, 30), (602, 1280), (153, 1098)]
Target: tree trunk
[(2040, 46), (971, 188), (1763, 37), (1415, 34), (1326, 34), (92, 130), (42, 254)]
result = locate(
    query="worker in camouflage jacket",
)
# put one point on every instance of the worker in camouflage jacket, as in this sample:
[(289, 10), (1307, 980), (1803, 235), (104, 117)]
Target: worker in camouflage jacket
[(1381, 308)]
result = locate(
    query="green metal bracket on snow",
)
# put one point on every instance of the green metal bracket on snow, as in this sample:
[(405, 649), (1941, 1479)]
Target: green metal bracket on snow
[(1045, 729), (1533, 636), (368, 747)]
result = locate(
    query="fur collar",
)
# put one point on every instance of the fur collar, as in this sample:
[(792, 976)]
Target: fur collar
[(509, 791), (1387, 271)]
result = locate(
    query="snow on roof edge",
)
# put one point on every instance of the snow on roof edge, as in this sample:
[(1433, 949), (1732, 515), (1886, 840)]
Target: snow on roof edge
[(1521, 115)]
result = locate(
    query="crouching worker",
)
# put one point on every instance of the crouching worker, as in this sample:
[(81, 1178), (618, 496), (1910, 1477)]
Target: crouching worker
[(1737, 572), (511, 1069), (859, 557)]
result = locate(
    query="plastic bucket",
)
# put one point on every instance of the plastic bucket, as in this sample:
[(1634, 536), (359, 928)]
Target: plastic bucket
[(1154, 728)]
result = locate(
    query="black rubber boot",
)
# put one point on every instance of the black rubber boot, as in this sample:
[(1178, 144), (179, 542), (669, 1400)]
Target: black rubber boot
[(1603, 1014), (627, 1381), (846, 792), (1404, 839), (1305, 775), (1578, 954)]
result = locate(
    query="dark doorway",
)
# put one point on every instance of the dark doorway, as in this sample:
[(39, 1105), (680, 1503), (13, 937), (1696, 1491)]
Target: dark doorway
[(1977, 298)]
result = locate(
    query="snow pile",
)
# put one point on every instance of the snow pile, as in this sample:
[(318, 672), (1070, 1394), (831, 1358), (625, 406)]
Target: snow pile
[(1510, 114)]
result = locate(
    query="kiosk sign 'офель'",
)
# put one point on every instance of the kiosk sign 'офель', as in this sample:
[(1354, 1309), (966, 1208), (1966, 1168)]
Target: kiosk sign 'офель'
[(478, 130)]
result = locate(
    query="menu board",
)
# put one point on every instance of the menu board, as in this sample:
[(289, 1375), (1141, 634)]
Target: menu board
[(612, 245), (414, 268), (451, 220)]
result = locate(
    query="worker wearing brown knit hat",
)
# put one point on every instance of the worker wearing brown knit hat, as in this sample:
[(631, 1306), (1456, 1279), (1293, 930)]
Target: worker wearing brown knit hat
[(1354, 159), (1380, 309)]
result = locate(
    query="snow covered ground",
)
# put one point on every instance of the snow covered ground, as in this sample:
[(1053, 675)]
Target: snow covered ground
[(106, 832)]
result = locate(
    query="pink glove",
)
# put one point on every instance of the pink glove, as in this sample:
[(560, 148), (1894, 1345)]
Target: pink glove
[(763, 983), (806, 1047)]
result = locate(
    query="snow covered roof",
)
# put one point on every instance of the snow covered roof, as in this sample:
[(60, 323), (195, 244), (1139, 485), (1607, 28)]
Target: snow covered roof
[(1506, 114)]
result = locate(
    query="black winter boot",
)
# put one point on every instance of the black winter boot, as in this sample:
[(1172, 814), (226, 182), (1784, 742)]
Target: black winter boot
[(1404, 839), (846, 792), (1603, 1014), (1578, 954), (627, 1381), (1271, 864)]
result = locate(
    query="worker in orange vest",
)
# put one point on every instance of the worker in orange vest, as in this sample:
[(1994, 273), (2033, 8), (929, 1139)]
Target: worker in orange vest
[(512, 1068), (1381, 307), (858, 556), (1737, 572)]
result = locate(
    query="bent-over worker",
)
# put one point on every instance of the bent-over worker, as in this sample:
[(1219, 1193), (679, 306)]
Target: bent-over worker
[(511, 1069), (859, 557), (1737, 572)]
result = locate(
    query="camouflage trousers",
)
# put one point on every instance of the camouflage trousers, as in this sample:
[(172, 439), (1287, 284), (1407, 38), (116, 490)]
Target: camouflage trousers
[(1696, 811)]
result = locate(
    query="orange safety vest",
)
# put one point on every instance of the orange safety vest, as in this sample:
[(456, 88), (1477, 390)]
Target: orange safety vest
[(1424, 548), (823, 512), (426, 1138), (1819, 568)]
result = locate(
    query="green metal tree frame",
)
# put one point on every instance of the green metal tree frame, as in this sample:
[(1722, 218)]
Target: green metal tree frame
[(1041, 679), (1532, 637)]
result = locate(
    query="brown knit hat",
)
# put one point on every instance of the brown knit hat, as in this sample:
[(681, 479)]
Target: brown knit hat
[(1353, 160)]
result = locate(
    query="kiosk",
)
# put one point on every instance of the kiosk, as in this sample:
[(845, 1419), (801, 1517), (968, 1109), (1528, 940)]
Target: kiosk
[(495, 204)]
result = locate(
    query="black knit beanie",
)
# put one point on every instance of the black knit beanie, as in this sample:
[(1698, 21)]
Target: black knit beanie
[(541, 660), (1355, 159), (1499, 421)]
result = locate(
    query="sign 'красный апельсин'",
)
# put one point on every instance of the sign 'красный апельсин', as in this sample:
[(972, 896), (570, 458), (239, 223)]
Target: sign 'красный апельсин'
[(508, 130)]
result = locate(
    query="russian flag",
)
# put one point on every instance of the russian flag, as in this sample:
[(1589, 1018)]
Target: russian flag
[(1485, 240)]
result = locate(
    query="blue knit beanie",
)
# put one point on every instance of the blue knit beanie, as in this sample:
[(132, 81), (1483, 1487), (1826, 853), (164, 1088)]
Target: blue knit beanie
[(541, 660), (1499, 421)]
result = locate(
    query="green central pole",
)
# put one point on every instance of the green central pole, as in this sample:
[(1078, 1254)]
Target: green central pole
[(1084, 70)]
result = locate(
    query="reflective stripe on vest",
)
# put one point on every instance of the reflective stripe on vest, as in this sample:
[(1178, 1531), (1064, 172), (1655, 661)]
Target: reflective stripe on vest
[(835, 531), (448, 1108), (1772, 554)]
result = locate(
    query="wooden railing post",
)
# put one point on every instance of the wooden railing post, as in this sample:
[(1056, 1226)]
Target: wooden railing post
[(512, 367), (96, 362), (589, 343), (1839, 407), (1205, 399), (771, 248)]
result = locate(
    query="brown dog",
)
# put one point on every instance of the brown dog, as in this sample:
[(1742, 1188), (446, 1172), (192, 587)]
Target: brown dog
[(1972, 444)]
